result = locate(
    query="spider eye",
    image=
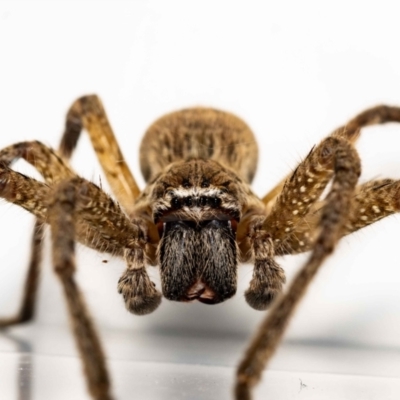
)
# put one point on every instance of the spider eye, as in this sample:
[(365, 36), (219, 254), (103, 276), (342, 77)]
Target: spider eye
[(175, 202), (214, 201), (203, 201), (188, 201), (186, 184)]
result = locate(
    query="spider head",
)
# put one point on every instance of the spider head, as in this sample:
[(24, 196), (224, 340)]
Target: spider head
[(196, 208)]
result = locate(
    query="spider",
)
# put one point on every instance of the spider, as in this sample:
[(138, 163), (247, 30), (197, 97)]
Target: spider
[(197, 218)]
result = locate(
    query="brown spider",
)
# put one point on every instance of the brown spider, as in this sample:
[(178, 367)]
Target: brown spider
[(197, 218)]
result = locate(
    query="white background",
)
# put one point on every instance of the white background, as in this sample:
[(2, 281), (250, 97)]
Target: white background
[(293, 70)]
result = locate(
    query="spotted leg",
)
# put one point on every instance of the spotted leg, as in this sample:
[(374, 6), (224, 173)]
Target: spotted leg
[(346, 171)]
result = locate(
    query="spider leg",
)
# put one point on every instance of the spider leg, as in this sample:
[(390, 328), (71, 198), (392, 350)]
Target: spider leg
[(381, 114), (44, 159), (27, 308), (101, 224), (293, 200), (351, 131), (346, 172), (372, 201), (267, 234), (61, 218), (301, 190), (88, 113), (23, 191), (53, 169), (268, 277), (70, 207), (293, 221)]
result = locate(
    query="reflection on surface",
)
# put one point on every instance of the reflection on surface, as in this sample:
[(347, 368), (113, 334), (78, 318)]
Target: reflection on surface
[(25, 365), (181, 367)]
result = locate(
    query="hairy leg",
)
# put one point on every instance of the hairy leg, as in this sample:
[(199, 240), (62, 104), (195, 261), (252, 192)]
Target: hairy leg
[(334, 215), (88, 113), (294, 201), (71, 207), (27, 308), (351, 131), (53, 169), (373, 116), (100, 224), (267, 235), (61, 215), (372, 201)]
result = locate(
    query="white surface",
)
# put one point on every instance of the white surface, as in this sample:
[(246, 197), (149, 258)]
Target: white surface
[(41, 363), (294, 71)]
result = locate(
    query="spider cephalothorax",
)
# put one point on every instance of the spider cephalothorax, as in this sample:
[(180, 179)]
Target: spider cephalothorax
[(197, 218)]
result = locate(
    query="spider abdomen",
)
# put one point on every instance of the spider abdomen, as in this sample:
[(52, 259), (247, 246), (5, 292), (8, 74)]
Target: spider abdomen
[(199, 133)]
